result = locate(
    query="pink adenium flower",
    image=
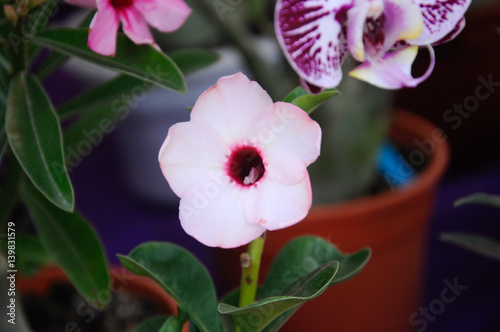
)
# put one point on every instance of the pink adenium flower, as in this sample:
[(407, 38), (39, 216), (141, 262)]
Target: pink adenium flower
[(135, 16), (317, 35), (239, 164)]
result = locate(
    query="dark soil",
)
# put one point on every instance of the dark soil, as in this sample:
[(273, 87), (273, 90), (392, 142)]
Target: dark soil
[(64, 310)]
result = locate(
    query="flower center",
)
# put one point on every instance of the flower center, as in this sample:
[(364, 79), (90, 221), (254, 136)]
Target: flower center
[(121, 3), (245, 165), (373, 34)]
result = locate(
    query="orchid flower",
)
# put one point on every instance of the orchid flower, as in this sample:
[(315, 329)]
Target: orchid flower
[(239, 164), (317, 35), (134, 15)]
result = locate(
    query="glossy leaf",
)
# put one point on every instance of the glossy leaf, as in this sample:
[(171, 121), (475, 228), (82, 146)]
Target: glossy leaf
[(305, 288), (111, 93), (474, 242), (308, 253), (189, 60), (479, 198), (120, 87), (181, 275), (141, 61), (34, 136), (55, 59), (151, 325), (309, 102), (39, 17), (72, 243)]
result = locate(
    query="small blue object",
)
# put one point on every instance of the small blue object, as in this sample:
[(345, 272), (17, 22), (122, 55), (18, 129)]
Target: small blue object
[(394, 167)]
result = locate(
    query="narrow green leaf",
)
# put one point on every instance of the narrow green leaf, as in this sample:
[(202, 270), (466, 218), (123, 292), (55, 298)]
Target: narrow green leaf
[(189, 60), (30, 254), (479, 198), (305, 288), (141, 61), (474, 242), (151, 325), (53, 61), (121, 86), (56, 59), (72, 243), (39, 18), (89, 131), (34, 136), (117, 89), (309, 102), (181, 275)]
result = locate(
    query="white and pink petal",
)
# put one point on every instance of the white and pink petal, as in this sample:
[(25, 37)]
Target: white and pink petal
[(236, 107), (214, 215), (273, 205), (293, 143), (192, 151)]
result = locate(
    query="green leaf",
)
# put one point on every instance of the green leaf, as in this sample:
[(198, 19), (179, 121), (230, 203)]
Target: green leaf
[(173, 324), (474, 242), (309, 102), (151, 325), (256, 316), (104, 94), (306, 253), (30, 254), (39, 18), (89, 130), (34, 136), (189, 60), (56, 59), (479, 198), (53, 61), (141, 61), (72, 243), (299, 257), (121, 86), (181, 275)]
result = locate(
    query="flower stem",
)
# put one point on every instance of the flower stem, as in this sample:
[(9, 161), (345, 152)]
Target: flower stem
[(250, 263)]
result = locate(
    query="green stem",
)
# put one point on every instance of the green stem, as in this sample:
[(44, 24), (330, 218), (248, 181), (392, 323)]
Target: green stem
[(250, 264)]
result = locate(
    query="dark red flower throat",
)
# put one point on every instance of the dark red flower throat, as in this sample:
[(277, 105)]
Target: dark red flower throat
[(245, 165), (121, 3)]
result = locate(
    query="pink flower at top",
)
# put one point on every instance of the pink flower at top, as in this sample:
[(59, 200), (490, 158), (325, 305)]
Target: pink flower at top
[(135, 16), (239, 164), (384, 35)]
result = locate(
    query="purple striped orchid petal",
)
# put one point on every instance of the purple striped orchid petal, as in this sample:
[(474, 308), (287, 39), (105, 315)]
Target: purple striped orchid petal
[(312, 37), (441, 17), (453, 33), (393, 70)]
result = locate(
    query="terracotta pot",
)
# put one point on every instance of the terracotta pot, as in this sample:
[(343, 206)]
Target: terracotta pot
[(394, 224), (121, 280)]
